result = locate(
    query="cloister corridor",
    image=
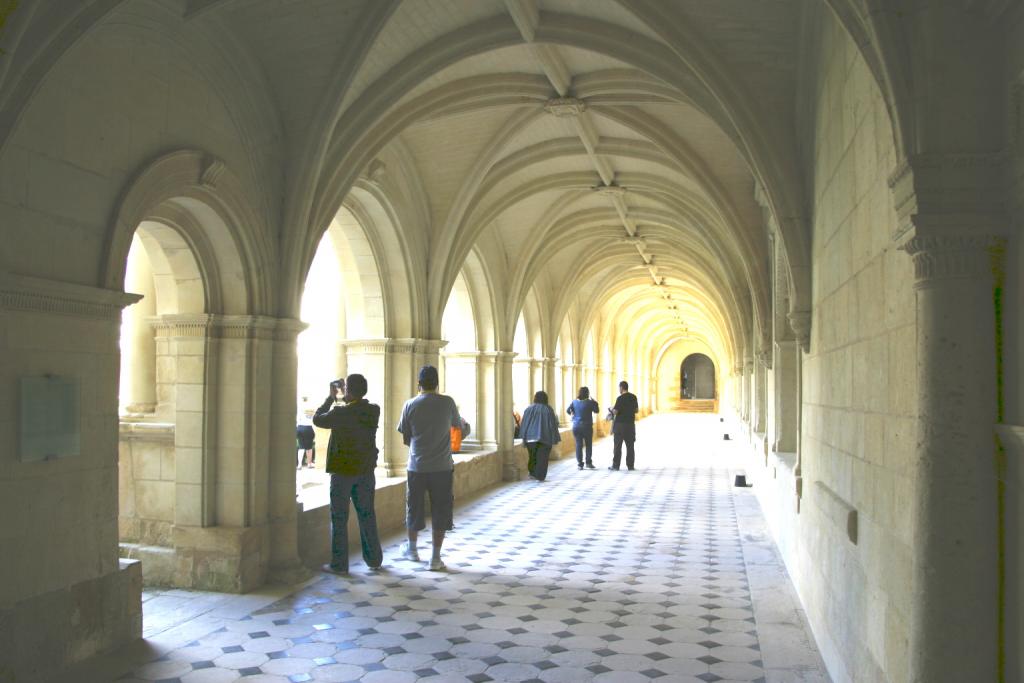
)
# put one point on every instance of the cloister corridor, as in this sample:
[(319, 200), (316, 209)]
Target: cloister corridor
[(666, 573), (804, 218)]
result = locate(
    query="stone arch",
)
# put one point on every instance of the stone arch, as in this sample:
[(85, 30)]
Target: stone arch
[(198, 195), (209, 283)]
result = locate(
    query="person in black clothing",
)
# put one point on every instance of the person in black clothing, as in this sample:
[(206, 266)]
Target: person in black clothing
[(351, 457), (624, 427)]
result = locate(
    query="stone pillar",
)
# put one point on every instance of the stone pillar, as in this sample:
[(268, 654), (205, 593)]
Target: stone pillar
[(461, 382), (565, 393), (537, 376), (284, 563), (503, 405), (391, 367), (784, 372), (548, 379), (954, 632), (487, 401), (761, 367), (737, 387), (949, 211), (138, 359), (368, 357), (186, 379)]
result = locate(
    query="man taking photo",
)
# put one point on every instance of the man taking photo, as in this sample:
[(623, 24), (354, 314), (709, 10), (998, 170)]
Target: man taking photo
[(351, 458)]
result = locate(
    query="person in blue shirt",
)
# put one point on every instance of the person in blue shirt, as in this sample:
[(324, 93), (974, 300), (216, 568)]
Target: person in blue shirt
[(583, 410), (539, 431)]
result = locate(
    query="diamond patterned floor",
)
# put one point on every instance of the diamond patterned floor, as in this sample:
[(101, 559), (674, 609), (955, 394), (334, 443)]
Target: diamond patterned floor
[(589, 576)]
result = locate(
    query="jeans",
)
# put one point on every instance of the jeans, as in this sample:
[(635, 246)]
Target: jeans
[(538, 462), (625, 432), (361, 490), (584, 435)]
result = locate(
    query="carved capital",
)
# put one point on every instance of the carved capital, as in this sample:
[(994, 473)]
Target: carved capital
[(764, 357), (800, 323), (946, 257), (565, 106)]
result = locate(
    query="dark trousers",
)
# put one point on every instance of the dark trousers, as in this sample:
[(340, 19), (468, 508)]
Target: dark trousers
[(623, 433), (538, 462), (360, 489), (584, 435)]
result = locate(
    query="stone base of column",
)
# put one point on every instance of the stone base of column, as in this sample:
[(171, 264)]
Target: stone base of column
[(510, 471), (227, 559)]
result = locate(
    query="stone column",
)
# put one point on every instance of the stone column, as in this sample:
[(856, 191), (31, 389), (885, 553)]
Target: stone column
[(461, 382), (537, 376), (391, 367), (368, 357), (737, 387), (138, 360), (950, 213), (761, 367), (503, 405), (186, 380), (284, 563), (954, 633), (487, 401), (784, 372), (547, 372)]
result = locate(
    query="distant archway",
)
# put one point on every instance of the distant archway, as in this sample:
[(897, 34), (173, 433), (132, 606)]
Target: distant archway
[(697, 377)]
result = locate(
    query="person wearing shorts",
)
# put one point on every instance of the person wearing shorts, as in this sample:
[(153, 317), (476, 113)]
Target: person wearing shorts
[(425, 426)]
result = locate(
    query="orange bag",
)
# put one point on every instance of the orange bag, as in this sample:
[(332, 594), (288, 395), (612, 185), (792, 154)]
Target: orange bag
[(456, 439)]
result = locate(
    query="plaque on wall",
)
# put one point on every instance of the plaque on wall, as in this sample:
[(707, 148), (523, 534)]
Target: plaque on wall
[(49, 418)]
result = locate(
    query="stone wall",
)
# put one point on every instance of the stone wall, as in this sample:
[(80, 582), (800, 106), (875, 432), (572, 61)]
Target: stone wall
[(146, 476), (63, 594), (1011, 432), (858, 385)]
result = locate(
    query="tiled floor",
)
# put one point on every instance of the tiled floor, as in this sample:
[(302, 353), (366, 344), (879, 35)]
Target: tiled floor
[(589, 576)]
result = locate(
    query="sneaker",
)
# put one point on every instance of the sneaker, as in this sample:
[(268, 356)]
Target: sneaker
[(579, 466), (437, 565), (411, 554), (331, 569), (590, 466), (614, 469), (376, 568)]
